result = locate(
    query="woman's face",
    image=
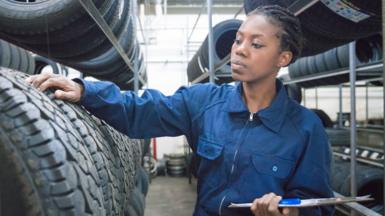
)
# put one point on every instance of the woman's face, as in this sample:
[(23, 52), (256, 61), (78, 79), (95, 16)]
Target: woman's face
[(256, 53)]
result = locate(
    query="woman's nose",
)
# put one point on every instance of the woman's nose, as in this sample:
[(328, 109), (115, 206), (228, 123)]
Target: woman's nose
[(240, 49)]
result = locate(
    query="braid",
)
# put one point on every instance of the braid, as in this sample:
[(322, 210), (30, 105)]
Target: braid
[(291, 34)]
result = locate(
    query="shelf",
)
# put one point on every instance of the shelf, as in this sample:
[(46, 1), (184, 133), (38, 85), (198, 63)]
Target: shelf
[(369, 71)]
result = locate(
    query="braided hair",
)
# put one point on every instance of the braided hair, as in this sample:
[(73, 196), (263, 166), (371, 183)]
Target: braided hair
[(290, 36)]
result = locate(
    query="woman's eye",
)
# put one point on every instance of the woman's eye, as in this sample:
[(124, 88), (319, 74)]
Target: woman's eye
[(237, 41), (256, 46)]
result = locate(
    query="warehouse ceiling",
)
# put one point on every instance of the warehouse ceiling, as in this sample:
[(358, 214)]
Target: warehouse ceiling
[(200, 2), (193, 6), (192, 2)]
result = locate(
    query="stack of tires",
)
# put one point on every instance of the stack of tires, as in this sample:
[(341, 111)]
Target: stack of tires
[(176, 164), (328, 24), (62, 31), (368, 50), (16, 58), (57, 159), (223, 38)]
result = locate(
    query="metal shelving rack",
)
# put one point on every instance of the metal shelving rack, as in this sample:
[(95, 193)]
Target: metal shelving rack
[(91, 9), (297, 7), (210, 73), (378, 73)]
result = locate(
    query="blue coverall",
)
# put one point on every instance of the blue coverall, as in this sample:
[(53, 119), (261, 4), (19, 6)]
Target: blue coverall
[(242, 156)]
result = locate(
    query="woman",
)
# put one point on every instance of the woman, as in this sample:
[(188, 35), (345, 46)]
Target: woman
[(253, 143)]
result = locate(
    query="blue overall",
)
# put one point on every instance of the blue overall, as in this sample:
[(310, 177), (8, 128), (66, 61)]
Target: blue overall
[(242, 156)]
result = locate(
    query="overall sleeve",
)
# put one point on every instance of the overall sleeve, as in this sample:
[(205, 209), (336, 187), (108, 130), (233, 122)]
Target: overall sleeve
[(312, 176), (151, 115)]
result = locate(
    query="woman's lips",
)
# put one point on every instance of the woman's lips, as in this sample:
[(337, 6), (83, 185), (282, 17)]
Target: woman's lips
[(236, 65)]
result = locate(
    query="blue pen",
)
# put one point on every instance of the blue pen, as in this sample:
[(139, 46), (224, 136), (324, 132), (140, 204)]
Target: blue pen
[(296, 202), (289, 202), (283, 203)]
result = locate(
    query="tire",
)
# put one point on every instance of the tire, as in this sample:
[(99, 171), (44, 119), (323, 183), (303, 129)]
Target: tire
[(108, 62), (5, 54), (15, 57), (294, 92), (27, 18), (331, 59), (325, 22), (23, 67), (31, 64), (319, 18), (101, 154), (369, 181), (77, 49), (126, 157), (41, 62), (48, 167), (314, 42), (325, 119), (338, 137), (93, 43), (339, 172), (320, 63), (137, 202), (145, 181), (70, 32), (223, 38)]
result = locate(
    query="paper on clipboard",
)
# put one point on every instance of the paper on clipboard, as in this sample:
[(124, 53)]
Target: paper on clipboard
[(311, 202)]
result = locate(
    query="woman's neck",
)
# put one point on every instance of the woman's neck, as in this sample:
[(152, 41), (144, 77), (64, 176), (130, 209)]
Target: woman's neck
[(259, 95)]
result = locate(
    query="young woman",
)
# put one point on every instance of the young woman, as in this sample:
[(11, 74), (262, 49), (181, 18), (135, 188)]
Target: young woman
[(254, 144)]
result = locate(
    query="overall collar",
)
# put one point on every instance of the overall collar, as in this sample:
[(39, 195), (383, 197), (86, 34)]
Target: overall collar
[(271, 116)]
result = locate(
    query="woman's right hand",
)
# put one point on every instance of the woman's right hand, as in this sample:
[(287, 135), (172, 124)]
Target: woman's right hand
[(268, 206), (67, 89)]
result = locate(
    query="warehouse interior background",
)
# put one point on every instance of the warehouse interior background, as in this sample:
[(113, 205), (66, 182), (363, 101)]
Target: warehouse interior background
[(169, 34)]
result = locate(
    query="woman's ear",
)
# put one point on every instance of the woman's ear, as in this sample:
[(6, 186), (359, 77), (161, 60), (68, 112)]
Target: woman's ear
[(284, 58)]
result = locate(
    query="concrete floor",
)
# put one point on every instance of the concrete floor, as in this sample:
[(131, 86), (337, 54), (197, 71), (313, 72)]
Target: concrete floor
[(170, 196)]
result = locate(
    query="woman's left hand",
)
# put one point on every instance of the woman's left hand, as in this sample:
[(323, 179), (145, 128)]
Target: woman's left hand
[(268, 206)]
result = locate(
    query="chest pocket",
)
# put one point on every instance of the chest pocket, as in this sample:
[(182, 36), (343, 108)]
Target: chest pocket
[(273, 166), (211, 168), (209, 150)]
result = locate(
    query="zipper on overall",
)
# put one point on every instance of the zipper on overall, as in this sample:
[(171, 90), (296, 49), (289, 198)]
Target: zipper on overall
[(251, 118)]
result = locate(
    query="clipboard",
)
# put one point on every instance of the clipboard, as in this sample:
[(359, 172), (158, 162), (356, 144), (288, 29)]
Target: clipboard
[(298, 203)]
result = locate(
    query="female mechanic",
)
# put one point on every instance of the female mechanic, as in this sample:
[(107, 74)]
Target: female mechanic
[(253, 143)]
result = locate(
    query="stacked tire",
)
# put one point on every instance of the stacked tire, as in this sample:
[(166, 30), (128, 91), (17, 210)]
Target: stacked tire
[(223, 38), (62, 31), (16, 58), (368, 50), (57, 159), (328, 24), (176, 165)]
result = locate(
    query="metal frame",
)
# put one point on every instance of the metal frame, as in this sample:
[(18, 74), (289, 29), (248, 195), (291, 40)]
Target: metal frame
[(357, 207), (94, 13), (383, 80), (211, 41), (353, 71), (353, 129), (360, 70), (298, 7)]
